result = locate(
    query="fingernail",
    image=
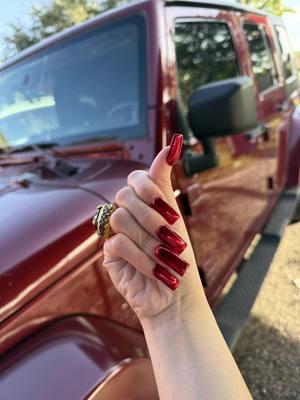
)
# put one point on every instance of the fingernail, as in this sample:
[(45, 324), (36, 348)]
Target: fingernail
[(171, 260), (165, 210), (171, 239), (164, 276), (175, 149)]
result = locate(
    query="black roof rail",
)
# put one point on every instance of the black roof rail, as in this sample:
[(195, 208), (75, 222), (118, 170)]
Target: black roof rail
[(224, 4)]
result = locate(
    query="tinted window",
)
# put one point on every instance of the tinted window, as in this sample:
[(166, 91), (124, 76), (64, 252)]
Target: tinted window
[(205, 53), (262, 63), (91, 84), (285, 50)]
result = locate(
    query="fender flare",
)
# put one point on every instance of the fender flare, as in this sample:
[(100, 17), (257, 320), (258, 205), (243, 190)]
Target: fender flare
[(73, 357)]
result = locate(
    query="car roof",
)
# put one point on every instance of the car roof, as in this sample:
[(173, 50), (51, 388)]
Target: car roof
[(225, 4), (230, 5), (69, 32)]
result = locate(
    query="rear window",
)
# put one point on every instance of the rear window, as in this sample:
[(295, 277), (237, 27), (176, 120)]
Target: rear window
[(205, 53), (285, 51), (262, 62)]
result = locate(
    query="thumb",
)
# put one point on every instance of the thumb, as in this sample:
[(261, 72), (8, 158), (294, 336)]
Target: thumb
[(161, 167)]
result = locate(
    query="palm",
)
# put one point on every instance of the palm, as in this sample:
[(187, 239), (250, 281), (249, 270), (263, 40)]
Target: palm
[(141, 292)]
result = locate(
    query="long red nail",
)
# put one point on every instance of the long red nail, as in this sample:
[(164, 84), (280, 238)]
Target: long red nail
[(171, 260), (165, 210), (164, 275), (175, 149), (171, 239)]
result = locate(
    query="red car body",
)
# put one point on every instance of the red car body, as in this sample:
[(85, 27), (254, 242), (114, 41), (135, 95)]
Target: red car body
[(59, 311)]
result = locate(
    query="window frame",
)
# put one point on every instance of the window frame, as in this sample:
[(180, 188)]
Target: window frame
[(292, 77), (264, 32)]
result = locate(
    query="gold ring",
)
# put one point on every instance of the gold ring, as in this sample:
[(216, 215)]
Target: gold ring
[(101, 220)]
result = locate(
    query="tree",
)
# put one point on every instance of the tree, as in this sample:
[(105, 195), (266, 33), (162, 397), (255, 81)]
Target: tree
[(46, 21), (273, 6)]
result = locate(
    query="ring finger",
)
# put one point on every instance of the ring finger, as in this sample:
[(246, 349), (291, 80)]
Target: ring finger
[(123, 222)]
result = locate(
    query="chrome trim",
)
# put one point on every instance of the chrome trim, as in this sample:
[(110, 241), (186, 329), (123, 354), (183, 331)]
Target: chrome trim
[(111, 373)]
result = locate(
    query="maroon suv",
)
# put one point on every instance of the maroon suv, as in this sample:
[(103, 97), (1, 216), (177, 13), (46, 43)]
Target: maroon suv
[(78, 113)]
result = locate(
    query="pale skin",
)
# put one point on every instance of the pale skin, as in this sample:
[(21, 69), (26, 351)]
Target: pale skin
[(190, 358)]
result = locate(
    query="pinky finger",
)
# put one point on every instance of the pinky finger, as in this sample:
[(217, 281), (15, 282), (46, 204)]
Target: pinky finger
[(120, 246)]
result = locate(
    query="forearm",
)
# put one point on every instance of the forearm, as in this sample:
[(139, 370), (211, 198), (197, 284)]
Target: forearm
[(190, 357)]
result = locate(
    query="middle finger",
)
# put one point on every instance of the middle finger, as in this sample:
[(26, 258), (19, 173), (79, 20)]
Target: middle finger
[(149, 219)]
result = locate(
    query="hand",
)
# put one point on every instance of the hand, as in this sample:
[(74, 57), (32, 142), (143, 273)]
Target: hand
[(142, 258)]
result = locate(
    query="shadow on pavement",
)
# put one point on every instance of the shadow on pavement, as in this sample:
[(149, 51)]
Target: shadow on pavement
[(269, 362)]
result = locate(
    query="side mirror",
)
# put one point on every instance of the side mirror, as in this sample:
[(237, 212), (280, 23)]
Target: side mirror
[(223, 108)]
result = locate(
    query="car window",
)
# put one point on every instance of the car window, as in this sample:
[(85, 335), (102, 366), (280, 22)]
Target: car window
[(205, 53), (285, 51), (262, 63), (90, 84)]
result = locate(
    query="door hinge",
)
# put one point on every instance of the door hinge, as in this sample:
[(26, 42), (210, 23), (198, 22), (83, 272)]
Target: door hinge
[(270, 182)]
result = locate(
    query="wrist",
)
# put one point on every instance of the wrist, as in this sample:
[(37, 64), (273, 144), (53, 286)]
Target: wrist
[(177, 313)]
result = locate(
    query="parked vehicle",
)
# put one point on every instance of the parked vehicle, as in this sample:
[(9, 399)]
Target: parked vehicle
[(80, 111)]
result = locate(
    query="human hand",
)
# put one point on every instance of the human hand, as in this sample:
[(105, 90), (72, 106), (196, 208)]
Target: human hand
[(142, 258)]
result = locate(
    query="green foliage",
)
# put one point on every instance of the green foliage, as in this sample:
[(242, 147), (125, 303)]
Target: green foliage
[(297, 60), (275, 7), (46, 21), (205, 54)]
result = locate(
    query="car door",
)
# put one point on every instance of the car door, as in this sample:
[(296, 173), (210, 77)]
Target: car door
[(274, 103), (227, 203), (291, 95)]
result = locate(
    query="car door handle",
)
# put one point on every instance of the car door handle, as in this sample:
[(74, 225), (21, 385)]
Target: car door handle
[(284, 106), (253, 134)]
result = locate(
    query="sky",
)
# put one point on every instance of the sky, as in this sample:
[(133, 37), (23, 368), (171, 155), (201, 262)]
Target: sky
[(293, 22), (18, 10), (12, 10)]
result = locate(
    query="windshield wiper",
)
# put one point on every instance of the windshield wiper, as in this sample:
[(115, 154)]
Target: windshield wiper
[(28, 147), (65, 142), (60, 167), (93, 139)]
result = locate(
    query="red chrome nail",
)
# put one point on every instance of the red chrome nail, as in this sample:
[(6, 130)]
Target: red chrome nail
[(171, 239), (171, 260), (164, 275), (175, 149), (165, 210)]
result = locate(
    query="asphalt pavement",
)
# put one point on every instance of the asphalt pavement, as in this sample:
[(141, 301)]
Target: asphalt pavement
[(268, 351)]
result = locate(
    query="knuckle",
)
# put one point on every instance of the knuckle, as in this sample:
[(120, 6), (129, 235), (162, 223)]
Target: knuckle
[(165, 184), (123, 195), (142, 185), (117, 219), (146, 241), (117, 243), (107, 246), (135, 175), (145, 216)]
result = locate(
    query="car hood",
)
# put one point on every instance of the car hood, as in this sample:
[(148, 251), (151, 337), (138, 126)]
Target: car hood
[(44, 221)]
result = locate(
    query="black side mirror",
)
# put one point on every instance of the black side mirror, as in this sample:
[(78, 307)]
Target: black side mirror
[(223, 108)]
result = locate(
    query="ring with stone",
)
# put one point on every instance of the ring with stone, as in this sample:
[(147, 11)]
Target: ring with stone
[(101, 220)]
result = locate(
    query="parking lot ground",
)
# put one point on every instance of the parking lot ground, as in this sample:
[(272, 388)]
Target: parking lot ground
[(268, 351)]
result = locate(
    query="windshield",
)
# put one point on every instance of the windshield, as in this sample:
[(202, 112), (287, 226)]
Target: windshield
[(90, 85)]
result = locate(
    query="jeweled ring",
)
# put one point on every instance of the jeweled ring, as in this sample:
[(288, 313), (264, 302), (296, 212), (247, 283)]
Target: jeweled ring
[(101, 220)]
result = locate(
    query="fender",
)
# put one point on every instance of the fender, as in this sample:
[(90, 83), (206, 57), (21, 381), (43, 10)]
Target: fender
[(293, 150), (79, 357)]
